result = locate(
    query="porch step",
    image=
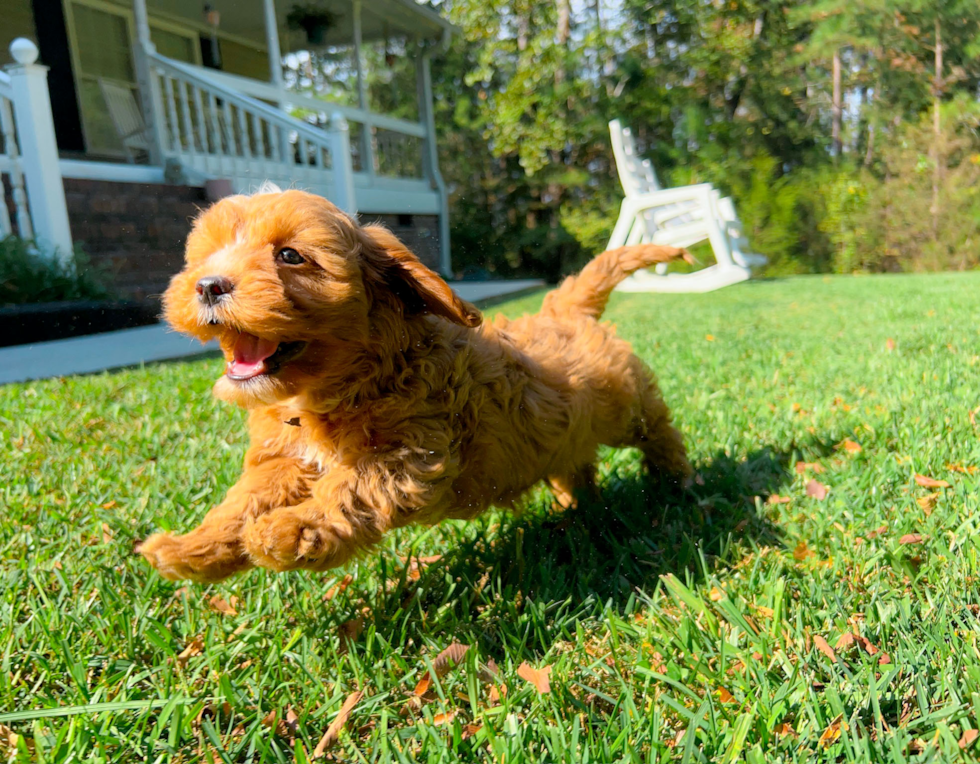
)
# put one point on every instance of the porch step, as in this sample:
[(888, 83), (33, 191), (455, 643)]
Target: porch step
[(147, 344)]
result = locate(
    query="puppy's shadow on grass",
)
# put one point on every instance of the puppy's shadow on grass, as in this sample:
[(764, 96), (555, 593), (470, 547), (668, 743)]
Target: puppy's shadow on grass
[(545, 570)]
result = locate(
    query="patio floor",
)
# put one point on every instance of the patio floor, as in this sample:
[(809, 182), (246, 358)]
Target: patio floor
[(146, 344)]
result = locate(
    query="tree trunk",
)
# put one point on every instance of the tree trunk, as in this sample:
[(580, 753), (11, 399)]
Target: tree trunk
[(937, 153), (837, 110), (564, 21), (564, 34)]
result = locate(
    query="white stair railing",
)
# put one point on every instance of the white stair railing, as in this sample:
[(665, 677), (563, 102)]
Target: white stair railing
[(220, 132), (29, 156), (11, 166)]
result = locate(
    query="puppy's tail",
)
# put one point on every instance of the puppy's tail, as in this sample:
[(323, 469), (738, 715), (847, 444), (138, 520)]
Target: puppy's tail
[(587, 293)]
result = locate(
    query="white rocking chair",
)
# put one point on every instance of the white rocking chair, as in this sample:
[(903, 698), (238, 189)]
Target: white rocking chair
[(127, 118), (679, 217)]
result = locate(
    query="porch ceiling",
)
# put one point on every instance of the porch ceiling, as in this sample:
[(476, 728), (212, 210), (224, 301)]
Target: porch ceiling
[(380, 18)]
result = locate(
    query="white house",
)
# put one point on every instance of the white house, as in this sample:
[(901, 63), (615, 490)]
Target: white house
[(158, 105)]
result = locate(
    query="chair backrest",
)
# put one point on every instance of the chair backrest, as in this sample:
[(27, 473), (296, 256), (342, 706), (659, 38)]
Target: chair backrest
[(635, 173), (125, 113)]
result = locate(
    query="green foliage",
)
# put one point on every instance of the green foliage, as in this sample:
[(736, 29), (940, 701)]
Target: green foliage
[(737, 94), (27, 276), (679, 625)]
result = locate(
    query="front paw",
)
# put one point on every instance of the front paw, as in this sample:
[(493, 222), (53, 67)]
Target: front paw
[(287, 541), (178, 558)]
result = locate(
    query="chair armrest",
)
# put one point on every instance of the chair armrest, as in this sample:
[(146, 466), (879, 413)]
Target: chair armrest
[(665, 196)]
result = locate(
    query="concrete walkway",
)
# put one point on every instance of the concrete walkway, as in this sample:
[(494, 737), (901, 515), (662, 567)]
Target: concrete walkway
[(146, 344)]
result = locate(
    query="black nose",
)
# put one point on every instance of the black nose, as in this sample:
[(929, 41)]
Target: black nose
[(212, 288)]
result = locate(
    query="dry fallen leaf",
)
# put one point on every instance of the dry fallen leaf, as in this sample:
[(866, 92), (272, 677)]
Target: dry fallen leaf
[(221, 605), (470, 730), (816, 490), (851, 447), (538, 677), (877, 532), (765, 612), (489, 672), (912, 538), (801, 552), (928, 502), (785, 730), (10, 742), (348, 632), (291, 722), (107, 534), (890, 344), (709, 337), (971, 470), (725, 696), (802, 467), (496, 693), (969, 738), (777, 499), (333, 591), (716, 594), (821, 644), (927, 482), (333, 731), (451, 656), (196, 647), (851, 640), (884, 660), (109, 505), (445, 718), (445, 660), (832, 733)]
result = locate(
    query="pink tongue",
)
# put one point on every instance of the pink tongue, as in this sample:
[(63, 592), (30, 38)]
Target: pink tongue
[(250, 355)]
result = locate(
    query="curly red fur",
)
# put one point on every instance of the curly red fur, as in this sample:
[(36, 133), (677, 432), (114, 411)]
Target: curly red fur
[(402, 406)]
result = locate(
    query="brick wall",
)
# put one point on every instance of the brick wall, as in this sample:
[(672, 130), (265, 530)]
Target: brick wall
[(420, 233), (135, 230)]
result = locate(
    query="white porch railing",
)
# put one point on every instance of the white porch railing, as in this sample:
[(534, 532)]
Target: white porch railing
[(29, 156), (219, 132), (11, 166), (226, 126)]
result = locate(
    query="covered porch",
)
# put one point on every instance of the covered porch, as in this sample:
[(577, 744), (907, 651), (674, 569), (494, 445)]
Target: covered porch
[(332, 96)]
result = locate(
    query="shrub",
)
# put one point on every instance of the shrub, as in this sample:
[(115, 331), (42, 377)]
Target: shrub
[(27, 276)]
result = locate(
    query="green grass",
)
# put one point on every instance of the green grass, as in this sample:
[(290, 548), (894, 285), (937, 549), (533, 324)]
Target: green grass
[(678, 625)]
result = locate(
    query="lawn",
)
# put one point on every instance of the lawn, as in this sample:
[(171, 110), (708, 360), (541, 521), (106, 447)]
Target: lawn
[(806, 599)]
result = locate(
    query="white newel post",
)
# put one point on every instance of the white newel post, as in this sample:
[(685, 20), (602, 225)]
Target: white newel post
[(39, 150), (343, 169)]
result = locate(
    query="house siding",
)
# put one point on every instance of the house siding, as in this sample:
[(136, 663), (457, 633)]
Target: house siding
[(18, 21)]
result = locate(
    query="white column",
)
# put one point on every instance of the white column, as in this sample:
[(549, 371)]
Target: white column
[(367, 137), (147, 83), (39, 150), (432, 162), (142, 18), (343, 172), (272, 42)]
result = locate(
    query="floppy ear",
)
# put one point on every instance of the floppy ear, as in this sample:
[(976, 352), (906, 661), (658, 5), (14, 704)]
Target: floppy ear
[(419, 289)]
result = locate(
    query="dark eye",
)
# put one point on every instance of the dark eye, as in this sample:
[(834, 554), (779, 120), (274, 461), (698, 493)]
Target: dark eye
[(290, 256)]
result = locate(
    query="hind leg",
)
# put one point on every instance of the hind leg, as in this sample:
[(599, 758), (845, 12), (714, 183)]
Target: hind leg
[(565, 486), (662, 445)]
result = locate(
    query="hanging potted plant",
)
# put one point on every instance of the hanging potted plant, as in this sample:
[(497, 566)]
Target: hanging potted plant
[(313, 20)]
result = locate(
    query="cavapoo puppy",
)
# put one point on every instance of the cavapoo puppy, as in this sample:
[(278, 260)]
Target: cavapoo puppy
[(378, 398)]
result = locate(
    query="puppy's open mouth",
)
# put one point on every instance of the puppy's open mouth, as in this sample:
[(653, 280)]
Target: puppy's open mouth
[(255, 356)]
